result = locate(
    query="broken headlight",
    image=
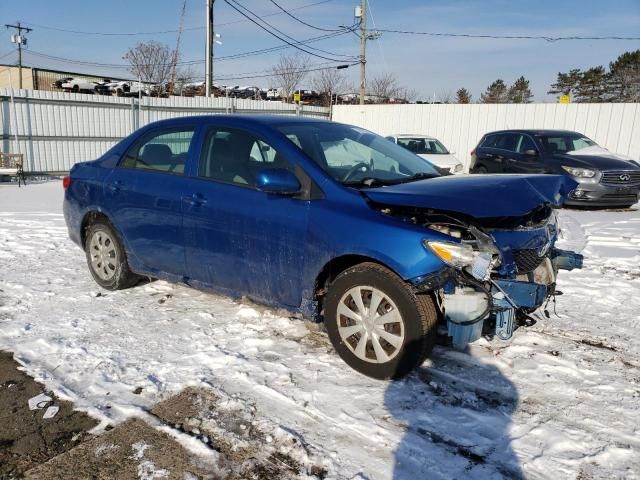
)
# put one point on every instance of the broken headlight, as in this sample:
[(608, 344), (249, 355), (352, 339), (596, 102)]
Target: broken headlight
[(463, 257)]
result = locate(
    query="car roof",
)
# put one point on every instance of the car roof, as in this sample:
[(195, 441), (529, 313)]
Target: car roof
[(251, 119), (532, 131)]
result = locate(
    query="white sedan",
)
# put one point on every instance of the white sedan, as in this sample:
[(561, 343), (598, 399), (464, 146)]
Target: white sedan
[(430, 149)]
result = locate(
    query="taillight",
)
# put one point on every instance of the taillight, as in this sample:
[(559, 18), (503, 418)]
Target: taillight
[(66, 181), (473, 152)]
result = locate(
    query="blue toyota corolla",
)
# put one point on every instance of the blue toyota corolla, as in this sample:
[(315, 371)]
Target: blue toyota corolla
[(326, 219)]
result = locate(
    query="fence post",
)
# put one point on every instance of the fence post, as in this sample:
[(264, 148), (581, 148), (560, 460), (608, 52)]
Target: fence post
[(135, 114)]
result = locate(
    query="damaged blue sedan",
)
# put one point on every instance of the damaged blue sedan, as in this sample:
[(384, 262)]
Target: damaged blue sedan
[(326, 219)]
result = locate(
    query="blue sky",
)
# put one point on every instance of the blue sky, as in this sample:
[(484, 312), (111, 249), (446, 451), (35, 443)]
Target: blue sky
[(429, 65)]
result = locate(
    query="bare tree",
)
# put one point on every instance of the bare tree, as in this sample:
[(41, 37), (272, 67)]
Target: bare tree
[(328, 82), (408, 94), (151, 61), (288, 73), (446, 96), (383, 87), (184, 76)]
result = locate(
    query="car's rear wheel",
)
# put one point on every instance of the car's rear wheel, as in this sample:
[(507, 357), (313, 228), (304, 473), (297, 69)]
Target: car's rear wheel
[(481, 169), (377, 324), (107, 259)]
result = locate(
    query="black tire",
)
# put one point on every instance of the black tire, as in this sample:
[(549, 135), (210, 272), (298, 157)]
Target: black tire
[(417, 313), (121, 275), (481, 169)]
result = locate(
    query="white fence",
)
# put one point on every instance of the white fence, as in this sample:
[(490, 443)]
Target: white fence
[(615, 126), (55, 130)]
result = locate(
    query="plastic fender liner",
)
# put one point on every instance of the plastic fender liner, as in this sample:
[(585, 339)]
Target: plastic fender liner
[(434, 280), (523, 294)]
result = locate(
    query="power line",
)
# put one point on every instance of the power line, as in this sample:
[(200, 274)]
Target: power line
[(162, 32), (228, 2), (502, 37), (270, 73), (288, 13), (289, 36), (187, 62)]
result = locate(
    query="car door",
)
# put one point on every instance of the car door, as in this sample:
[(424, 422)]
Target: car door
[(504, 152), (486, 154), (526, 158), (238, 238), (144, 198)]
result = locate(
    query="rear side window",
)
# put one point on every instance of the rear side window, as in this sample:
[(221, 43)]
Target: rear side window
[(507, 141), (164, 151), (489, 141)]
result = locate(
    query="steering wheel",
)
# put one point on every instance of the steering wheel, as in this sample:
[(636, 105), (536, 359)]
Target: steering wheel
[(354, 169)]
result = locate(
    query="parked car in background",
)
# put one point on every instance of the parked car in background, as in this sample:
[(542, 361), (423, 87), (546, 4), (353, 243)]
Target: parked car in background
[(58, 83), (375, 243), (430, 149), (604, 178), (79, 85)]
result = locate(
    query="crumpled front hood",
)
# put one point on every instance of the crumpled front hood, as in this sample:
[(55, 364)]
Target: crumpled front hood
[(480, 196)]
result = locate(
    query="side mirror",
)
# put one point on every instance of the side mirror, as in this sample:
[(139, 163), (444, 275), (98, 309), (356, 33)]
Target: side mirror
[(531, 153), (278, 181)]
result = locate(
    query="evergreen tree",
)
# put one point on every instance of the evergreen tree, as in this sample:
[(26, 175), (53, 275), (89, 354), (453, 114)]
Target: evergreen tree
[(624, 78), (593, 86), (566, 83), (520, 92), (463, 96), (495, 93)]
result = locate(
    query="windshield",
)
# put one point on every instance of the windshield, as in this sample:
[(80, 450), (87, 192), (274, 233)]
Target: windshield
[(564, 143), (353, 155), (422, 145)]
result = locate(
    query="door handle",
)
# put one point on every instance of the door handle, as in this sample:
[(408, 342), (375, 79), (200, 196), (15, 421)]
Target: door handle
[(195, 200), (115, 186)]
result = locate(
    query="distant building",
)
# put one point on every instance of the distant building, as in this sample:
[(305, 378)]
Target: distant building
[(42, 78)]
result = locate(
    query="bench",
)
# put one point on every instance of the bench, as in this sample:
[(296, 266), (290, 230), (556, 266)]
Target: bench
[(11, 164)]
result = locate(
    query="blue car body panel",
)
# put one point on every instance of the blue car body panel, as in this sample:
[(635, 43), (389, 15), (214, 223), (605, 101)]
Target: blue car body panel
[(242, 241)]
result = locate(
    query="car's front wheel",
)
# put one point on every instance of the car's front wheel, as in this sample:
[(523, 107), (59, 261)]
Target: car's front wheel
[(377, 324), (107, 259)]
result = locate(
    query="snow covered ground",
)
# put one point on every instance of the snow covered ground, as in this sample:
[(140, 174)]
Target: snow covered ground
[(561, 400)]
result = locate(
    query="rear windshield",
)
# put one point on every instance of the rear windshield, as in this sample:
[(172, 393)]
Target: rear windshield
[(564, 143), (423, 146)]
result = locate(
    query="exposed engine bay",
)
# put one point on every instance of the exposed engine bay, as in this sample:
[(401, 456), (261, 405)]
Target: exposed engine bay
[(499, 270)]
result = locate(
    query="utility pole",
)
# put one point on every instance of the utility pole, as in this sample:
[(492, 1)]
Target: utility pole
[(208, 74), (363, 50), (20, 40)]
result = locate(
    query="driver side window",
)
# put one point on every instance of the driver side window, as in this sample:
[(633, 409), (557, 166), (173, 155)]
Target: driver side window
[(235, 156), (163, 152)]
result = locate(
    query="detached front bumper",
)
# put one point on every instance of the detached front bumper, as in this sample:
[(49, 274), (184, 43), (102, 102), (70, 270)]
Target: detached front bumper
[(471, 307)]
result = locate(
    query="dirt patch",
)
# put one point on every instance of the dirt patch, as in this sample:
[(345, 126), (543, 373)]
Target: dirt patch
[(26, 438), (250, 448), (133, 449)]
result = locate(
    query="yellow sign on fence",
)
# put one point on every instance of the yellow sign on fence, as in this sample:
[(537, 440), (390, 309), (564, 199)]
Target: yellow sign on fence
[(296, 97), (564, 99)]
